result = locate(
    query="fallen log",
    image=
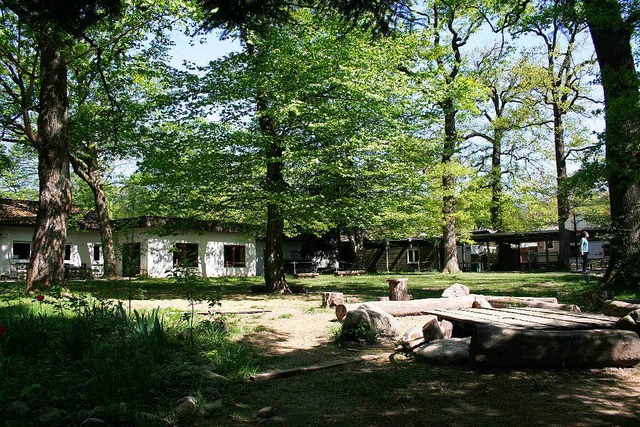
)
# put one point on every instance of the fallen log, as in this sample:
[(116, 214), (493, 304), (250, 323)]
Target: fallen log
[(496, 301), (494, 346), (306, 275), (349, 272), (619, 308), (510, 303), (281, 373), (414, 307)]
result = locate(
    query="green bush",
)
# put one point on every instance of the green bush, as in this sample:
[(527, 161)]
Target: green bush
[(74, 352)]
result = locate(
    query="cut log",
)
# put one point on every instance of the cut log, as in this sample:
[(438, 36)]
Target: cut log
[(447, 328), (281, 373), (493, 346), (415, 307), (431, 330), (619, 308), (504, 301), (398, 289), (481, 302), (306, 275), (349, 272), (548, 303), (331, 299)]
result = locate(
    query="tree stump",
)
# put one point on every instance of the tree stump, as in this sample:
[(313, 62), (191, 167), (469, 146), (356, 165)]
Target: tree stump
[(398, 289), (431, 330), (331, 299)]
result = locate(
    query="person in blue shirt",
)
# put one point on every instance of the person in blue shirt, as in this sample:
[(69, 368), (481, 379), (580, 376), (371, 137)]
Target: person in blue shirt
[(584, 251)]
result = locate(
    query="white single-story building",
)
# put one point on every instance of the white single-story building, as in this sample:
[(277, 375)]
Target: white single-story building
[(146, 246)]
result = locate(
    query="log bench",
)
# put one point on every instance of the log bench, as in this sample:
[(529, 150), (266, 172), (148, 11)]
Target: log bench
[(349, 272), (306, 275)]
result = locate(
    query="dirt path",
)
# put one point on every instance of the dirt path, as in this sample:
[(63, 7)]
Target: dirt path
[(295, 331)]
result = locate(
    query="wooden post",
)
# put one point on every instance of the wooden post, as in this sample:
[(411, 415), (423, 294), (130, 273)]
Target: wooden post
[(398, 289)]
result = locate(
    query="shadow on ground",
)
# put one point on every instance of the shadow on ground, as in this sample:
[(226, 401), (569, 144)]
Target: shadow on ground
[(408, 393)]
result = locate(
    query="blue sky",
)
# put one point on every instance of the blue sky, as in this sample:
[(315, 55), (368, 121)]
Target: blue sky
[(201, 49)]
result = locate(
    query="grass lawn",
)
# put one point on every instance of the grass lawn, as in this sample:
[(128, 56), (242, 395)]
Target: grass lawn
[(74, 352), (567, 287)]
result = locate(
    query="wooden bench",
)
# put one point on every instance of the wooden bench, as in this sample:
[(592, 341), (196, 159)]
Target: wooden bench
[(306, 275), (349, 272)]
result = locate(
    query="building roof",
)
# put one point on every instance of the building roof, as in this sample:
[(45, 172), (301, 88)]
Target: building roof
[(24, 212)]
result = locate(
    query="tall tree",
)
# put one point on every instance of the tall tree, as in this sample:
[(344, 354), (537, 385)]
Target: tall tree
[(321, 107), (563, 89), (612, 24), (55, 26), (509, 117), (449, 26)]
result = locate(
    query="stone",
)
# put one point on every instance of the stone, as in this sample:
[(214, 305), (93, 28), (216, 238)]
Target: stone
[(630, 322), (93, 422), (265, 412), (454, 351), (456, 290), (16, 410), (186, 405), (379, 320), (211, 407)]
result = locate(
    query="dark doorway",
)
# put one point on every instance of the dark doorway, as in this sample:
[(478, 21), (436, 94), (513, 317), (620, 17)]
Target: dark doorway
[(130, 259)]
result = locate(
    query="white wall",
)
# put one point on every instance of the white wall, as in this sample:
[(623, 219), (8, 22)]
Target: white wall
[(156, 256), (157, 252), (81, 242), (9, 235)]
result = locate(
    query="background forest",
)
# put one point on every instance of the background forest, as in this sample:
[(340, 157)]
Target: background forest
[(394, 119)]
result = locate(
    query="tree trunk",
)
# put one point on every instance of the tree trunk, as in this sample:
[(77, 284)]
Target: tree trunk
[(47, 255), (356, 241), (495, 182), (275, 185), (448, 187), (562, 192), (89, 172), (612, 41)]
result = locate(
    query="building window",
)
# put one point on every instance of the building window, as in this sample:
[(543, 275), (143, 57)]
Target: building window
[(67, 252), (413, 256), (185, 255), (234, 256), (21, 251), (549, 244), (97, 252)]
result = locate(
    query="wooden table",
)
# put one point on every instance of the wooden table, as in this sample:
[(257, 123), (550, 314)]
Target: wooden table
[(525, 318)]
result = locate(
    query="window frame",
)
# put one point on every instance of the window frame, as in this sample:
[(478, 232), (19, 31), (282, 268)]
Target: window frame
[(100, 259), (13, 254), (413, 259), (182, 252), (238, 255)]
